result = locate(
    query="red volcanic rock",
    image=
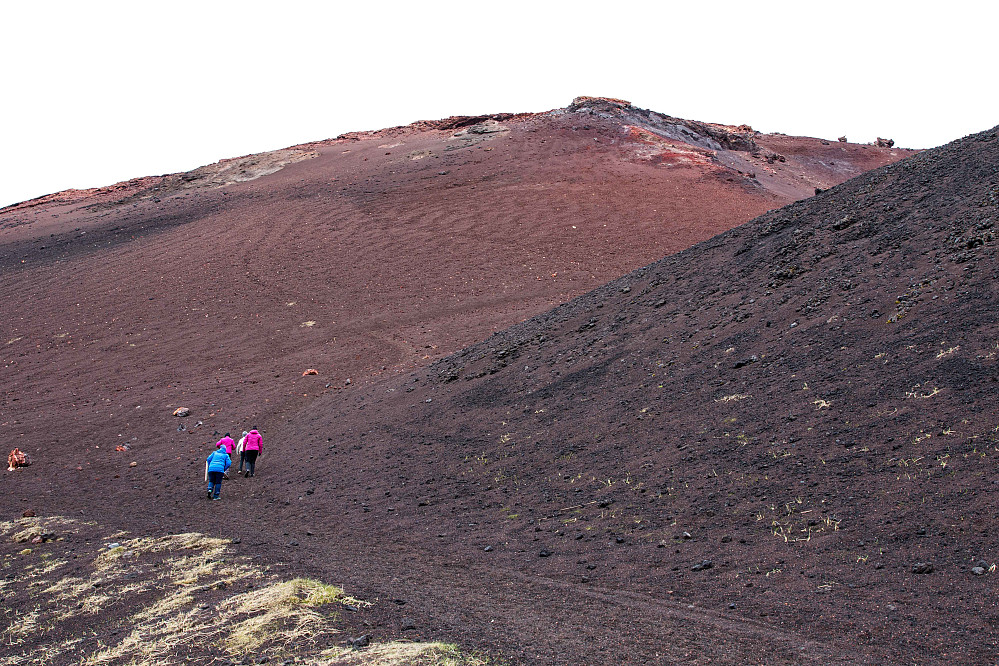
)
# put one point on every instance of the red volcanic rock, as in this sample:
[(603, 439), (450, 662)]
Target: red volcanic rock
[(17, 458)]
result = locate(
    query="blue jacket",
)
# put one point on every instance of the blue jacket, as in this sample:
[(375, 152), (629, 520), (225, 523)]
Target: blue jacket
[(218, 461)]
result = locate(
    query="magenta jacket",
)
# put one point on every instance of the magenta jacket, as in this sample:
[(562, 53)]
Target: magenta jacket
[(254, 442), (227, 443)]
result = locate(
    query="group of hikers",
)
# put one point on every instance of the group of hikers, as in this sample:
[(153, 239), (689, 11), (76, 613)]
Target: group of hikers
[(219, 461)]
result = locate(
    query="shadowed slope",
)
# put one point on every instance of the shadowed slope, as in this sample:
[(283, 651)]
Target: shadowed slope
[(793, 423)]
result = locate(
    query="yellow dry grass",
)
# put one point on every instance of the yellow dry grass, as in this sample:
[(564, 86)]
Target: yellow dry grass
[(186, 592)]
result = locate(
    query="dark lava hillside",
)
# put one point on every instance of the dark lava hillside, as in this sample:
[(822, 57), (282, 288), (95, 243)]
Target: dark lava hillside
[(789, 428)]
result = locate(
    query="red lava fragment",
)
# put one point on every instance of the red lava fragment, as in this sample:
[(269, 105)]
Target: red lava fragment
[(28, 514), (17, 458), (310, 371), (121, 447)]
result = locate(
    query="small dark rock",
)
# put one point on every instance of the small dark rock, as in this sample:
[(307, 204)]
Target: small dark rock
[(746, 361), (545, 553), (702, 565), (28, 514), (922, 568), (407, 624), (488, 549), (726, 539), (360, 641), (978, 571)]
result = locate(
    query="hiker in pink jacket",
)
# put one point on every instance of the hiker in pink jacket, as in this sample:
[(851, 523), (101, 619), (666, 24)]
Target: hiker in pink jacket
[(227, 443), (252, 447)]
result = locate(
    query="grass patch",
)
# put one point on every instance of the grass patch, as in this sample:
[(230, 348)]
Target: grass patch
[(173, 599)]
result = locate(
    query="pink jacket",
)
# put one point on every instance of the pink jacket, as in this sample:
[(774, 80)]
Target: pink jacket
[(254, 442), (227, 443)]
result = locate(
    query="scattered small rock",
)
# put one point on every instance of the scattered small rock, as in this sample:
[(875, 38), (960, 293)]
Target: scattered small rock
[(922, 568), (182, 411), (545, 553), (360, 641), (978, 571), (488, 549), (28, 514), (407, 624), (746, 361), (702, 565)]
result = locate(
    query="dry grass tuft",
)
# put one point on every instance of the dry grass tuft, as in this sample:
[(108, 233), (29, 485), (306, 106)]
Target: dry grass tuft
[(174, 598)]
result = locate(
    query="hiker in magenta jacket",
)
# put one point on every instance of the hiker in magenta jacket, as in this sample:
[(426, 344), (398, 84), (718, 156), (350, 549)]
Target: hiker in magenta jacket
[(227, 443), (252, 447)]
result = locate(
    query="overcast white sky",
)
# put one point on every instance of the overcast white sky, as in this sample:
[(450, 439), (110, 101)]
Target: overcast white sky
[(92, 93)]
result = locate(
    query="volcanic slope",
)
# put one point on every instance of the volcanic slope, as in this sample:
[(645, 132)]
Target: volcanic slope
[(364, 257), (368, 254), (778, 445)]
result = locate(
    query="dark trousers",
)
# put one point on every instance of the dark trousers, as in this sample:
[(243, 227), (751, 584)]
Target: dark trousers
[(251, 460), (215, 483), (242, 460)]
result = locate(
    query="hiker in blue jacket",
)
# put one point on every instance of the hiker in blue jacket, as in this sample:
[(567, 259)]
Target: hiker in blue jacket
[(215, 468)]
